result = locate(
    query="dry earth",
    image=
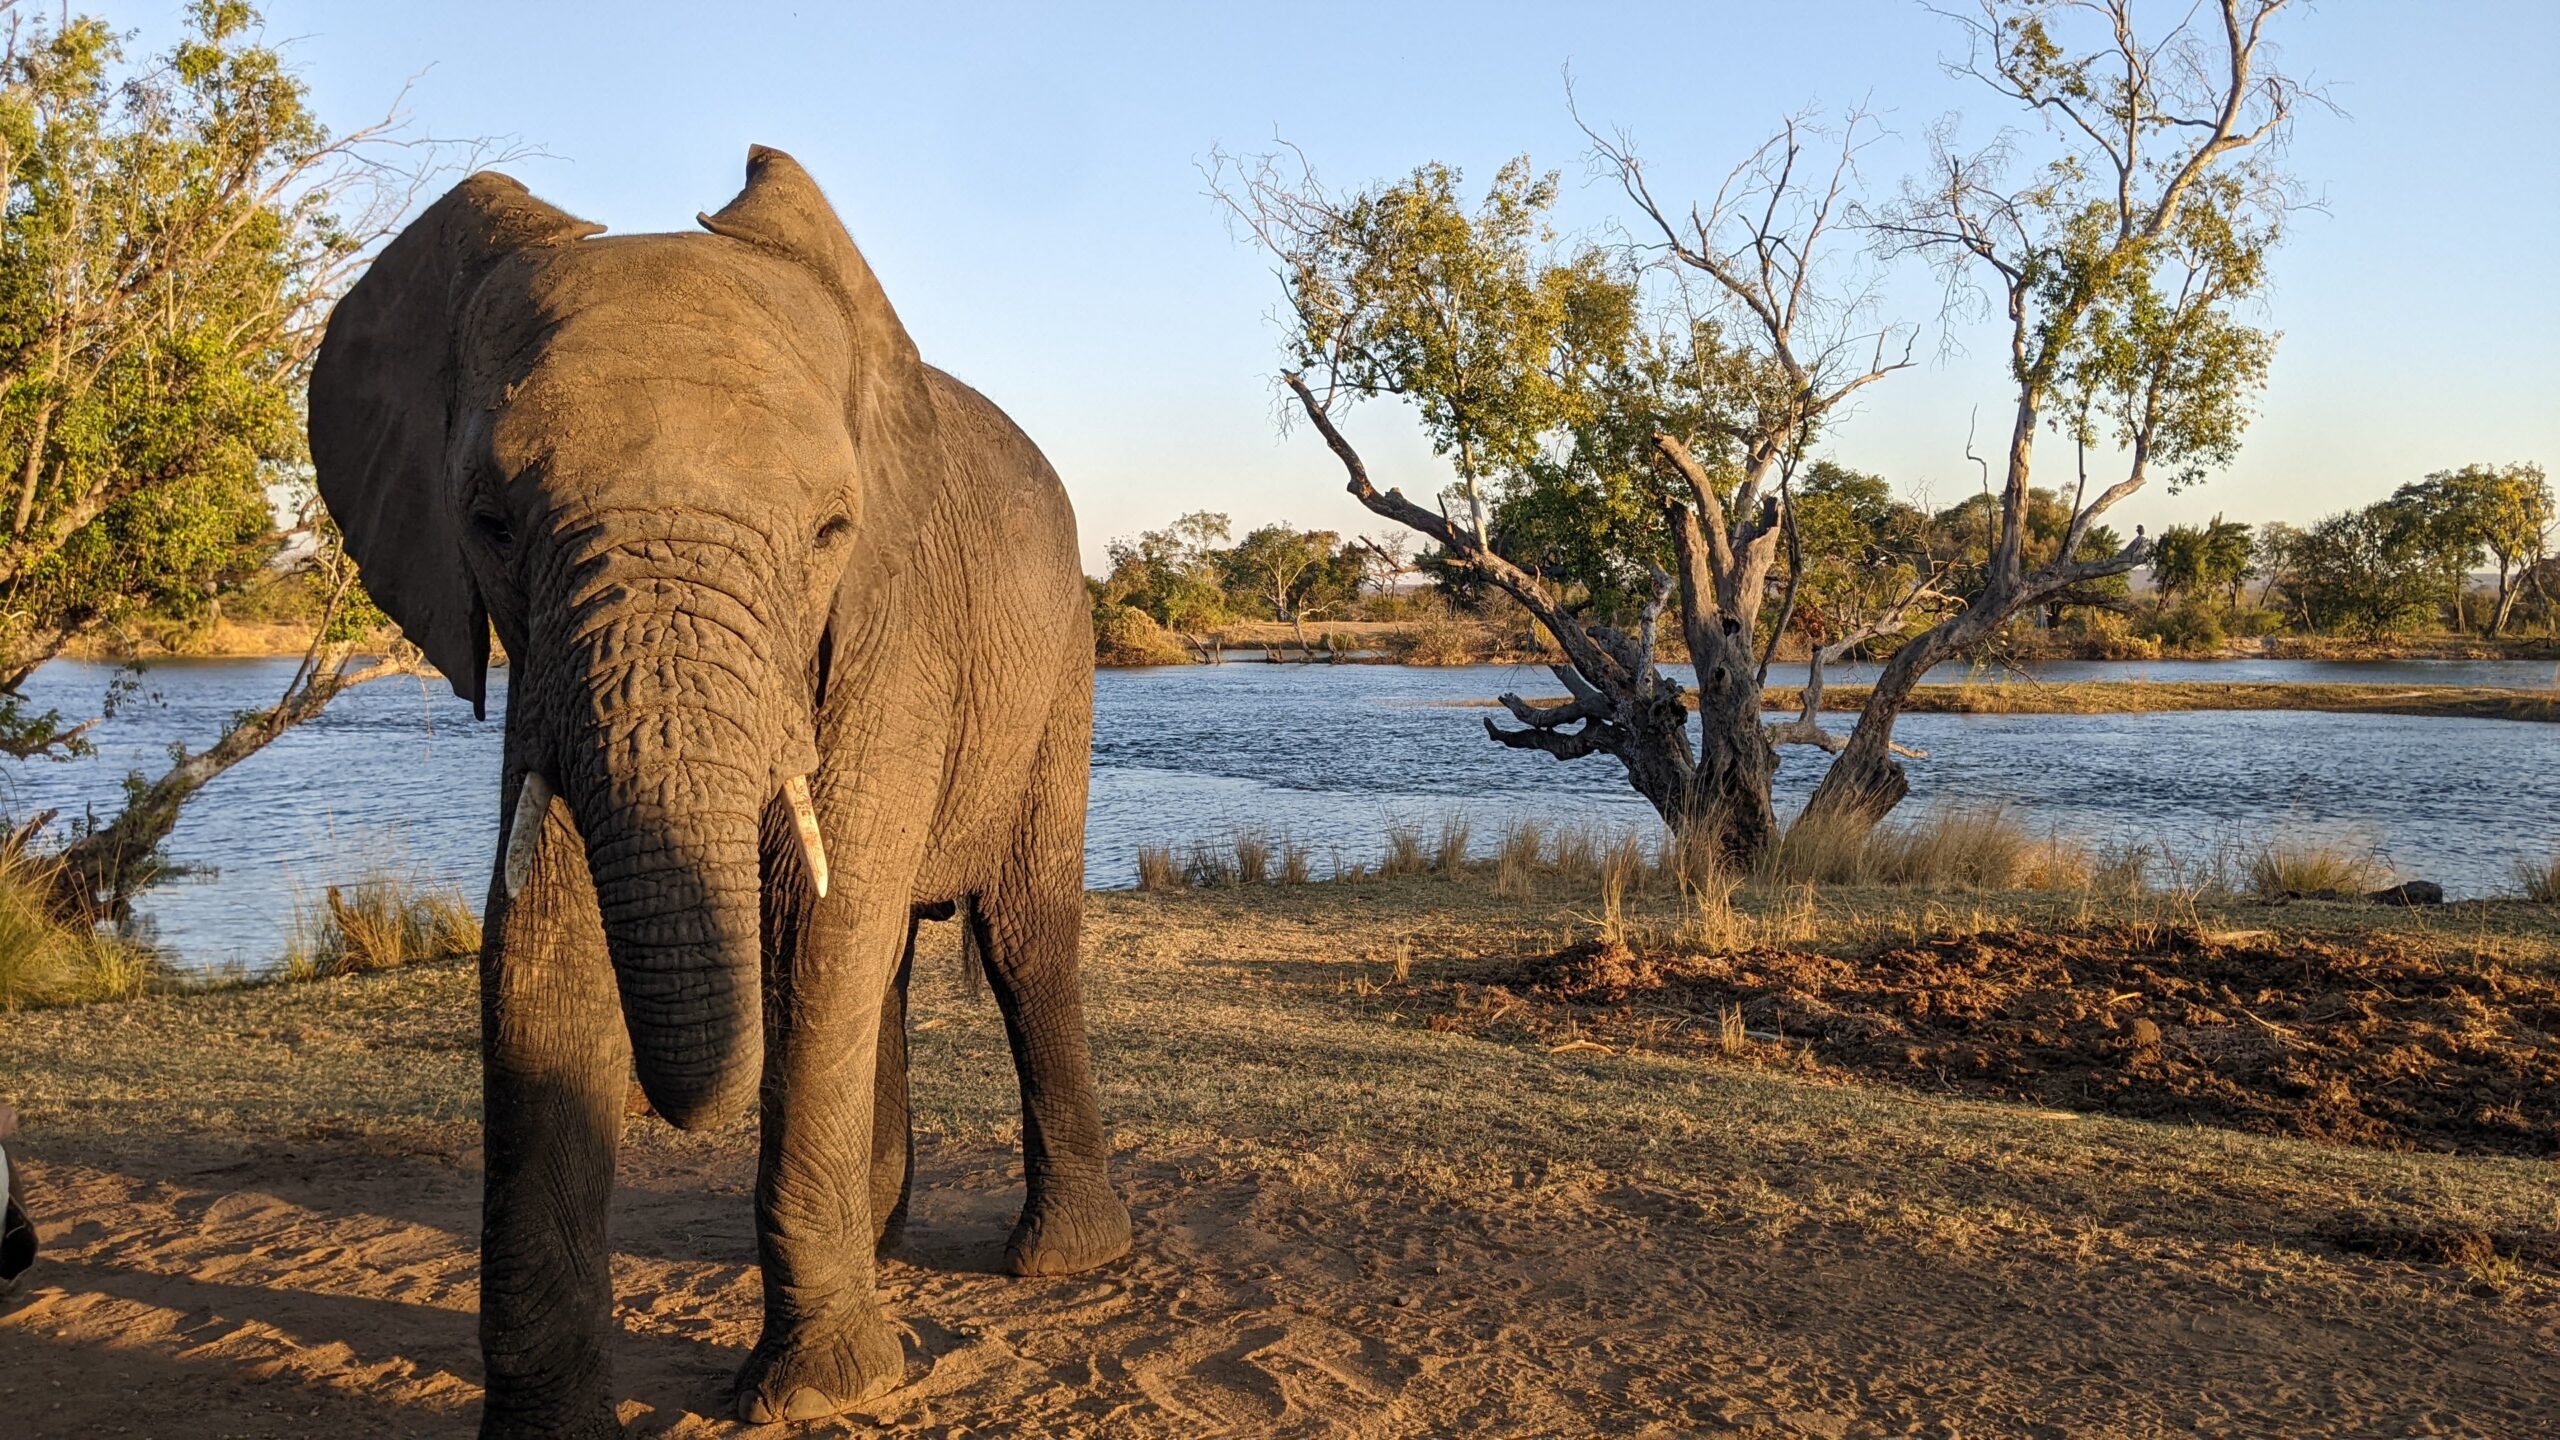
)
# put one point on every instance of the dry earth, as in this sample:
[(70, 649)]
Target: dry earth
[(259, 1209)]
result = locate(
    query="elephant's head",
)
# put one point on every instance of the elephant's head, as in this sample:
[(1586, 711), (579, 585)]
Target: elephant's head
[(666, 468)]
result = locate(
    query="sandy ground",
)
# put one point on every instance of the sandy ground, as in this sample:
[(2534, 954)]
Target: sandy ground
[(1400, 1250)]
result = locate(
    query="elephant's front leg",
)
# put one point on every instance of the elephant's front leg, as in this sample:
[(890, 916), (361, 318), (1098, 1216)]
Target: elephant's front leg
[(554, 1063), (825, 1346)]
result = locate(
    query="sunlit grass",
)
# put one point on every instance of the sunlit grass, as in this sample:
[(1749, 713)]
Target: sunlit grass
[(380, 922), (2287, 867), (46, 959)]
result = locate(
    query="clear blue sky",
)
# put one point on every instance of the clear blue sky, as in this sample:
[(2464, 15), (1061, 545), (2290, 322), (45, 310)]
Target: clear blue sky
[(1024, 178)]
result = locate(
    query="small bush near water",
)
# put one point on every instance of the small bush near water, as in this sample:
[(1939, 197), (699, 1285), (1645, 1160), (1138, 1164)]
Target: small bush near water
[(1968, 848), (2284, 868), (380, 922), (2539, 882), (45, 960)]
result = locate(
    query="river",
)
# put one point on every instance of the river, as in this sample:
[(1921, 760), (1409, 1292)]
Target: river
[(399, 776)]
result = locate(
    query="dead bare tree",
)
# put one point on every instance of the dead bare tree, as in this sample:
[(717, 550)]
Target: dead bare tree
[(2116, 266), (1396, 292)]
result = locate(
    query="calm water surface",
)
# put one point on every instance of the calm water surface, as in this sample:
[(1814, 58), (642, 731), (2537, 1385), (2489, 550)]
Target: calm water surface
[(399, 774)]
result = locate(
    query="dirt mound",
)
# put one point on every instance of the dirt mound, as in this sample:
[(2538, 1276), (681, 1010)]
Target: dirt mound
[(2373, 1044)]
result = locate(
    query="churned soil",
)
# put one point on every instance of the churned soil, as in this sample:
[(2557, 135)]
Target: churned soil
[(2369, 1041)]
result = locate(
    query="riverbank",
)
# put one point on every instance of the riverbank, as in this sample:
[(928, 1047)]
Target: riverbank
[(259, 1205), (1442, 641), (2151, 697), (2030, 697), (219, 640)]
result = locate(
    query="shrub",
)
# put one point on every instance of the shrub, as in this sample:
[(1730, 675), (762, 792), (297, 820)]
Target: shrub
[(1157, 869), (1404, 852), (1450, 855), (2193, 626), (2284, 867), (380, 922), (48, 960), (1126, 635), (1438, 641), (2106, 635), (2539, 880)]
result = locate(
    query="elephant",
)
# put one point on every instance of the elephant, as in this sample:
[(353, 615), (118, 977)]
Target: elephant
[(799, 653)]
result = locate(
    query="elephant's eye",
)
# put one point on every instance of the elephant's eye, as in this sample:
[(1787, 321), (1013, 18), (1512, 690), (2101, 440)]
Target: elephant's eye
[(832, 533), (494, 531)]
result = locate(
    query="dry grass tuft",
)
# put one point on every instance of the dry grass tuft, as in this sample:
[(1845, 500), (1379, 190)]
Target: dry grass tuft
[(1578, 854), (45, 960), (1449, 856), (381, 922), (2539, 882), (2312, 867), (1294, 863), (1158, 870), (1404, 853), (1974, 847), (1253, 858), (1517, 859), (1207, 865)]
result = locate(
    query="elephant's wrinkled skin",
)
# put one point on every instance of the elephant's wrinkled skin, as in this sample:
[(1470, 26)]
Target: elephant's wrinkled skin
[(732, 533)]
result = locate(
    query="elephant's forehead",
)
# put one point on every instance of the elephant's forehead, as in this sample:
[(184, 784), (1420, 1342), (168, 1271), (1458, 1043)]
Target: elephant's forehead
[(678, 354), (642, 304)]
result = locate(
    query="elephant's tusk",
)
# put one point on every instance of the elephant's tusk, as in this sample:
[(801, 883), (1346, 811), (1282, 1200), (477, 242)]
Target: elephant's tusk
[(804, 818), (533, 806)]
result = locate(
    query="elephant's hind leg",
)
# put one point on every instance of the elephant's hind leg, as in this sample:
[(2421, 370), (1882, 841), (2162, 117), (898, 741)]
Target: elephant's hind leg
[(1029, 927), (893, 1138)]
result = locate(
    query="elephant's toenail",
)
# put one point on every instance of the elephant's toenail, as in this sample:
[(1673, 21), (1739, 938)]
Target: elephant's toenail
[(806, 1403)]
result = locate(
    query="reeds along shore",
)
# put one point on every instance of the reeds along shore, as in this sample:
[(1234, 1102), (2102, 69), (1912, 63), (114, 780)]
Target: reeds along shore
[(386, 920), (1978, 848)]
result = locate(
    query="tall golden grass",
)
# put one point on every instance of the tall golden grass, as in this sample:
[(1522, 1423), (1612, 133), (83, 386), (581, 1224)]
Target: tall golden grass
[(380, 922), (2281, 868), (48, 960), (2539, 881)]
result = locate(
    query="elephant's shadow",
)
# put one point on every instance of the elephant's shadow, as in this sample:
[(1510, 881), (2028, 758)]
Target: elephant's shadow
[(337, 1257)]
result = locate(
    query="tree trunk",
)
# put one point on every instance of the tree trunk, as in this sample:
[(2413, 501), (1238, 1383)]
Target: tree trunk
[(1728, 793), (32, 470), (1865, 782)]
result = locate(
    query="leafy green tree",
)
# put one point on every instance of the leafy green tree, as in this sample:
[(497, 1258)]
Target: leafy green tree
[(2119, 266), (2502, 511), (2188, 559), (2369, 571), (1296, 574), (175, 229), (1174, 577), (1613, 458)]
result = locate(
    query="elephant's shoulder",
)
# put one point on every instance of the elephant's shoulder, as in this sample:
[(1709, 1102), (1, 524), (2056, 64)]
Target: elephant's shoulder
[(997, 460)]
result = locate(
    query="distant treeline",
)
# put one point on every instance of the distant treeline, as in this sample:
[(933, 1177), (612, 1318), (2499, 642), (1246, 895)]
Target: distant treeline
[(2462, 553)]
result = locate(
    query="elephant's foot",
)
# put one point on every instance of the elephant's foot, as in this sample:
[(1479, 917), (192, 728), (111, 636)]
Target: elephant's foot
[(1060, 1234), (808, 1376)]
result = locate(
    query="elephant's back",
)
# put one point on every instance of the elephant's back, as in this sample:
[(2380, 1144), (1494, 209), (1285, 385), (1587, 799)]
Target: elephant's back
[(1009, 536)]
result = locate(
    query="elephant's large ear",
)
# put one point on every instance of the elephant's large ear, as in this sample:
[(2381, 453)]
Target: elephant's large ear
[(889, 407), (383, 408)]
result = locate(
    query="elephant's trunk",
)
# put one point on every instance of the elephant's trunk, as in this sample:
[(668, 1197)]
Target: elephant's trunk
[(669, 782)]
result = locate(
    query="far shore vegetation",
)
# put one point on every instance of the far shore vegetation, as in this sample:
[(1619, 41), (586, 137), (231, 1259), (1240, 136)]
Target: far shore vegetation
[(2450, 567)]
